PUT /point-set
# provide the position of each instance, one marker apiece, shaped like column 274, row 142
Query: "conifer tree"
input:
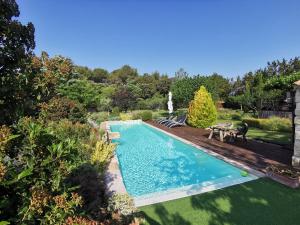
column 202, row 111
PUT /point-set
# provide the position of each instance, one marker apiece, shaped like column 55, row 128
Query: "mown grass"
column 278, row 137
column 259, row 202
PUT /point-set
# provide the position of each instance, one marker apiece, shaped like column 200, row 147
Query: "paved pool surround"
column 115, row 184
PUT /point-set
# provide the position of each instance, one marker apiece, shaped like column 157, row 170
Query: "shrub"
column 125, row 116
column 101, row 154
column 61, row 107
column 115, row 111
column 236, row 116
column 143, row 115
column 91, row 187
column 272, row 123
column 99, row 117
column 34, row 180
column 64, row 129
column 121, row 203
column 228, row 114
column 202, row 111
column 155, row 102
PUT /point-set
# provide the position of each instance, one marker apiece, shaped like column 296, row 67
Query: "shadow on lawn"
column 165, row 217
column 260, row 202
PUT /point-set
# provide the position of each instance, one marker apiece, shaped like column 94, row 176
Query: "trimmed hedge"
column 272, row 123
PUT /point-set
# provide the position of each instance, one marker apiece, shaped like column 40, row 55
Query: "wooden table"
column 222, row 129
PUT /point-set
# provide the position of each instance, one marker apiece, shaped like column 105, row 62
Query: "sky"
column 229, row 37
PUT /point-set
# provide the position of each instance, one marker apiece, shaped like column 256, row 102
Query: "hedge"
column 272, row 123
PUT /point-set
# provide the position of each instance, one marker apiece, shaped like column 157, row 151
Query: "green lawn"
column 259, row 202
column 272, row 136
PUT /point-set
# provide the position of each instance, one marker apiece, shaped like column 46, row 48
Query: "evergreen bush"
column 202, row 111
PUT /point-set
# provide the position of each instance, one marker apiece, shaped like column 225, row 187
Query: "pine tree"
column 202, row 111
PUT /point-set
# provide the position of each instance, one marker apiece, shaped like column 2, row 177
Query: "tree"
column 163, row 85
column 82, row 91
column 16, row 46
column 99, row 75
column 124, row 98
column 123, row 75
column 180, row 74
column 202, row 111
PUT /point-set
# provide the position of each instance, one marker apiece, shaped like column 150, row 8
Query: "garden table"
column 222, row 129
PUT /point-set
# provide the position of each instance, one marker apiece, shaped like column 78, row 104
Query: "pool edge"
column 116, row 185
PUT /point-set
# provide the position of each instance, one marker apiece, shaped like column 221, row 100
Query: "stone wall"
column 296, row 156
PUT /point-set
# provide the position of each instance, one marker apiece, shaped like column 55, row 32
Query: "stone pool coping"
column 115, row 184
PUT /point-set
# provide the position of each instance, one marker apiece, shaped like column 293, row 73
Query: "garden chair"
column 172, row 118
column 240, row 132
column 163, row 120
column 179, row 122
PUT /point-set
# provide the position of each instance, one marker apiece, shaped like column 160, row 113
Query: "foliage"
column 267, row 87
column 99, row 117
column 58, row 108
column 101, row 154
column 122, row 75
column 283, row 82
column 156, row 102
column 272, row 123
column 17, row 44
column 202, row 112
column 124, row 98
column 225, row 114
column 125, row 116
column 183, row 89
column 84, row 92
column 65, row 128
column 36, row 166
column 99, row 75
column 122, row 203
column 143, row 115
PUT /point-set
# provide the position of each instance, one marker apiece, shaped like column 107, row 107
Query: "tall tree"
column 16, row 46
column 181, row 73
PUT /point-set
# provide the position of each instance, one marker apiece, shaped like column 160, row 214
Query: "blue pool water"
column 152, row 161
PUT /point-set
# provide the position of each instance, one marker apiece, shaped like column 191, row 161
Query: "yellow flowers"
column 202, row 111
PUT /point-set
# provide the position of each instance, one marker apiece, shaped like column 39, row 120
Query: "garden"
column 52, row 162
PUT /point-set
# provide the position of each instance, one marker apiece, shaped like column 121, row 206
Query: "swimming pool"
column 152, row 161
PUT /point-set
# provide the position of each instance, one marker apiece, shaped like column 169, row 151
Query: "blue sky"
column 224, row 36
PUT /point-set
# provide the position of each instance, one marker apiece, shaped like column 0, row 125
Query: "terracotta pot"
column 288, row 181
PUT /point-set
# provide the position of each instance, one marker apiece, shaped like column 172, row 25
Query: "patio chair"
column 162, row 120
column 172, row 118
column 179, row 122
column 240, row 132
